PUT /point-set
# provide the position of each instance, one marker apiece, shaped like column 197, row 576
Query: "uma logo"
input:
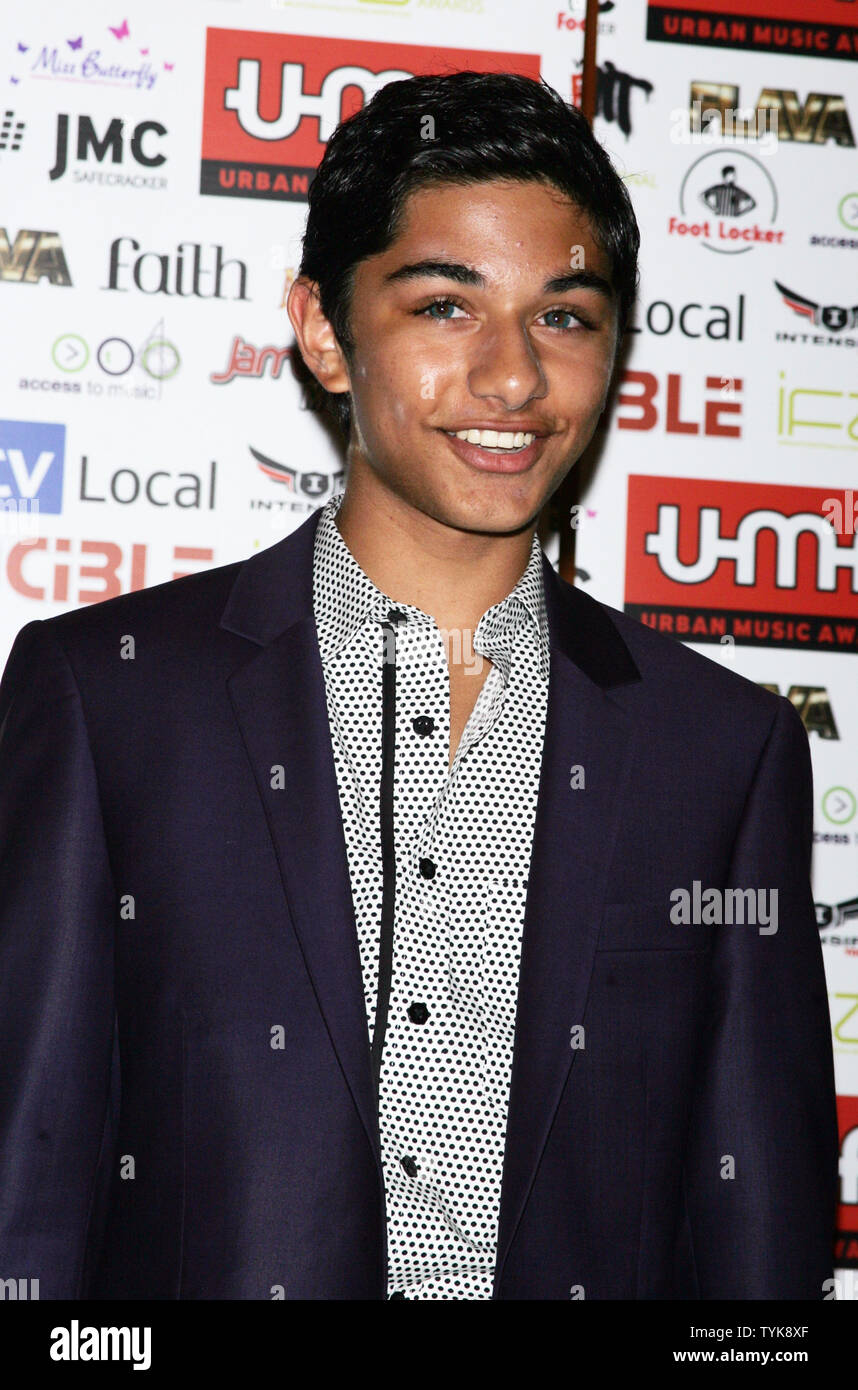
column 295, row 103
column 272, row 101
column 758, row 563
column 741, row 549
column 32, row 456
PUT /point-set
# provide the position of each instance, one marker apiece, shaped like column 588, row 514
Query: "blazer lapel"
column 574, row 835
column 279, row 701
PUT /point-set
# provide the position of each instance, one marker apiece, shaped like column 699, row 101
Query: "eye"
column 440, row 309
column 571, row 318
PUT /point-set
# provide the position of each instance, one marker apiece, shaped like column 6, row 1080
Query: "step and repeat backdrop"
column 154, row 166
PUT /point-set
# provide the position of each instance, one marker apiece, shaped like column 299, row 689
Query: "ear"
column 316, row 338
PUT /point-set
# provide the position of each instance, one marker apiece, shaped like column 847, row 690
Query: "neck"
column 452, row 575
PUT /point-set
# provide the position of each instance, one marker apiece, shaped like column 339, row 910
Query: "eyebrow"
column 466, row 275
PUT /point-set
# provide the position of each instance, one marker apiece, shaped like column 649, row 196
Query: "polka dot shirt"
column 462, row 839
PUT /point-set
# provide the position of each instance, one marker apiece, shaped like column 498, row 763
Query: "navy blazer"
column 167, row 900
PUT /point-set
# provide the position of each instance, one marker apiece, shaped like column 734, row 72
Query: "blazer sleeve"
column 57, row 907
column 761, row 1167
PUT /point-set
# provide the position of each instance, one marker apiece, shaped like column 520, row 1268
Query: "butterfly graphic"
column 23, row 47
column 75, row 43
column 16, row 80
column 144, row 51
column 169, row 67
column 122, row 32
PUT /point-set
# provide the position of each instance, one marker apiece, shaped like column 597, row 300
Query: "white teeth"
column 495, row 439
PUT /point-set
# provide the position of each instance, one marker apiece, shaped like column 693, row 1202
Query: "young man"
column 339, row 953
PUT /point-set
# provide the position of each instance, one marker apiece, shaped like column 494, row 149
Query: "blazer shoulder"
column 271, row 586
column 667, row 664
column 177, row 606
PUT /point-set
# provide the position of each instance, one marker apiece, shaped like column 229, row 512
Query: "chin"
column 495, row 520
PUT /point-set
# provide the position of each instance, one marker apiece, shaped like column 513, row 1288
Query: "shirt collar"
column 345, row 598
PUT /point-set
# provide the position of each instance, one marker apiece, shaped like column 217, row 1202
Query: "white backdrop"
column 149, row 408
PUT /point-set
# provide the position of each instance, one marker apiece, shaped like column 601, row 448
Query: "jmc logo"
column 141, row 142
column 272, row 101
column 753, row 563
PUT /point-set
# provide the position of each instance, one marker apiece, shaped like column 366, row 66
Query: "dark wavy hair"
column 483, row 126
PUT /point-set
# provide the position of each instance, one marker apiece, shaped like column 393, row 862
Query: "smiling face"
column 484, row 339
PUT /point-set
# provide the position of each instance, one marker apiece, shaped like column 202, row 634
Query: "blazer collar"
column 274, row 590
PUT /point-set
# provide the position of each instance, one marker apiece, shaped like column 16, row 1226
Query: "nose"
column 507, row 369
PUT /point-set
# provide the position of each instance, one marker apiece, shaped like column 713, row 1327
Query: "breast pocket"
column 646, row 926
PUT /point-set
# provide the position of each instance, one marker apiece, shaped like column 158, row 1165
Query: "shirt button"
column 409, row 1166
column 427, row 868
column 423, row 725
column 418, row 1013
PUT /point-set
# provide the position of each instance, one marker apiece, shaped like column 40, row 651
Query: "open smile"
column 497, row 451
